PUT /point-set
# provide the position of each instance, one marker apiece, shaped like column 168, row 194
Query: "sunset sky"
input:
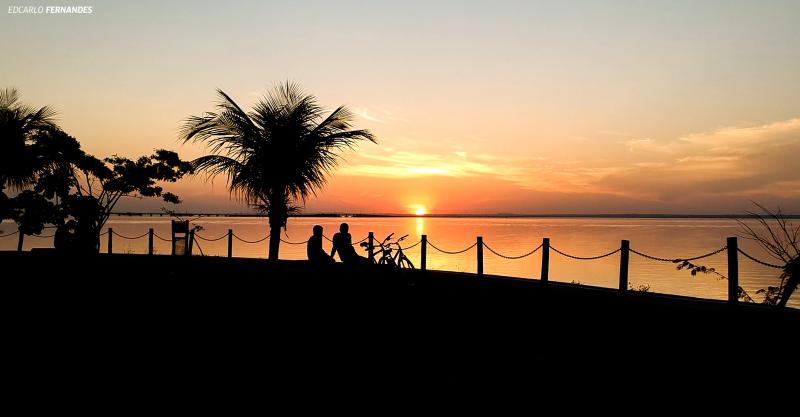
column 478, row 107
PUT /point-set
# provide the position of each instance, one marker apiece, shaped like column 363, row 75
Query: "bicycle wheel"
column 387, row 261
column 406, row 263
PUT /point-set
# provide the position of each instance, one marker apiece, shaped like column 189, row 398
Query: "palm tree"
column 276, row 155
column 19, row 127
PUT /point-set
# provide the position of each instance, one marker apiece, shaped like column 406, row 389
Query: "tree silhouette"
column 58, row 180
column 781, row 240
column 276, row 155
column 20, row 125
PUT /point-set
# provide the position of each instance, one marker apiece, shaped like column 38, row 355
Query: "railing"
column 624, row 250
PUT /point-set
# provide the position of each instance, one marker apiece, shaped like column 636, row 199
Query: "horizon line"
column 469, row 215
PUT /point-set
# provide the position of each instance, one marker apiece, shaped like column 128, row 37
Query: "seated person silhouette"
column 343, row 243
column 314, row 248
column 65, row 237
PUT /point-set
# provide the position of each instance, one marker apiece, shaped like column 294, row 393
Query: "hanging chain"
column 412, row 246
column 453, row 252
column 293, row 243
column 251, row 241
column 757, row 261
column 586, row 258
column 197, row 235
column 512, row 257
column 131, row 238
column 676, row 260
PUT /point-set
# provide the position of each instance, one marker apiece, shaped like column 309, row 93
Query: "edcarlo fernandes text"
column 50, row 10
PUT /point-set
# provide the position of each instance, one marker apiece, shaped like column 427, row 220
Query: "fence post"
column 545, row 258
column 733, row 271
column 150, row 241
column 623, row 265
column 423, row 257
column 480, row 255
column 20, row 240
column 370, row 245
column 230, row 243
column 110, row 235
column 190, row 243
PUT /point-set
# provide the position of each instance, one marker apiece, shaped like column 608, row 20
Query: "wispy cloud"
column 731, row 161
column 413, row 164
column 377, row 114
column 364, row 113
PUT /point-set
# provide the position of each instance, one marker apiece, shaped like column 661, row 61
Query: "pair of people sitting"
column 342, row 244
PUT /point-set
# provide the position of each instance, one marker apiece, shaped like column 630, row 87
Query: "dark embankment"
column 174, row 320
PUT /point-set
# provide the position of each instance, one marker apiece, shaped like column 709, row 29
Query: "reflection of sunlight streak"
column 420, row 226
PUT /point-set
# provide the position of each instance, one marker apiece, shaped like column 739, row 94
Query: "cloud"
column 738, row 162
column 711, row 172
column 701, row 172
column 723, row 141
column 377, row 115
column 365, row 114
column 645, row 144
column 701, row 158
column 413, row 164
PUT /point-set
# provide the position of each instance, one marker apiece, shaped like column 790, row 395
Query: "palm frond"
column 22, row 126
column 277, row 154
column 9, row 97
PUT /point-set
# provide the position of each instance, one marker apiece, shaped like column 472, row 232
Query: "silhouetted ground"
column 126, row 321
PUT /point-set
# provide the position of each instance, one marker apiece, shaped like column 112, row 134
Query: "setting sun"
column 419, row 210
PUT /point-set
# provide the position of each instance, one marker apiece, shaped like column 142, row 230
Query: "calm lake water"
column 664, row 238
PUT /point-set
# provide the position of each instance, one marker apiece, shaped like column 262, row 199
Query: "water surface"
column 664, row 238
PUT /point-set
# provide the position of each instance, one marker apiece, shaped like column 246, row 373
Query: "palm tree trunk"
column 277, row 220
column 274, row 240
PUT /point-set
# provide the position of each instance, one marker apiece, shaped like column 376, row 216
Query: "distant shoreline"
column 466, row 216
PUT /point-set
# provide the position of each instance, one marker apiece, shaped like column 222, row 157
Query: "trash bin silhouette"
column 181, row 238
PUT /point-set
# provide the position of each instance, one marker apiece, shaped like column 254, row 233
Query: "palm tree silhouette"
column 276, row 155
column 20, row 126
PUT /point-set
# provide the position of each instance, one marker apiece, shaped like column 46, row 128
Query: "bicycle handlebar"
column 386, row 242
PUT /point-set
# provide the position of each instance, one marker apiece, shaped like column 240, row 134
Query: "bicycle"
column 398, row 260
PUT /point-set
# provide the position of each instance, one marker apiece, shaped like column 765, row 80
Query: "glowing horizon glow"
column 527, row 107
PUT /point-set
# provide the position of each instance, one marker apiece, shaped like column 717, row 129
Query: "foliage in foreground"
column 57, row 183
column 780, row 239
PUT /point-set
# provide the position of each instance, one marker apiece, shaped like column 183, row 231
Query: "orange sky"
column 496, row 107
